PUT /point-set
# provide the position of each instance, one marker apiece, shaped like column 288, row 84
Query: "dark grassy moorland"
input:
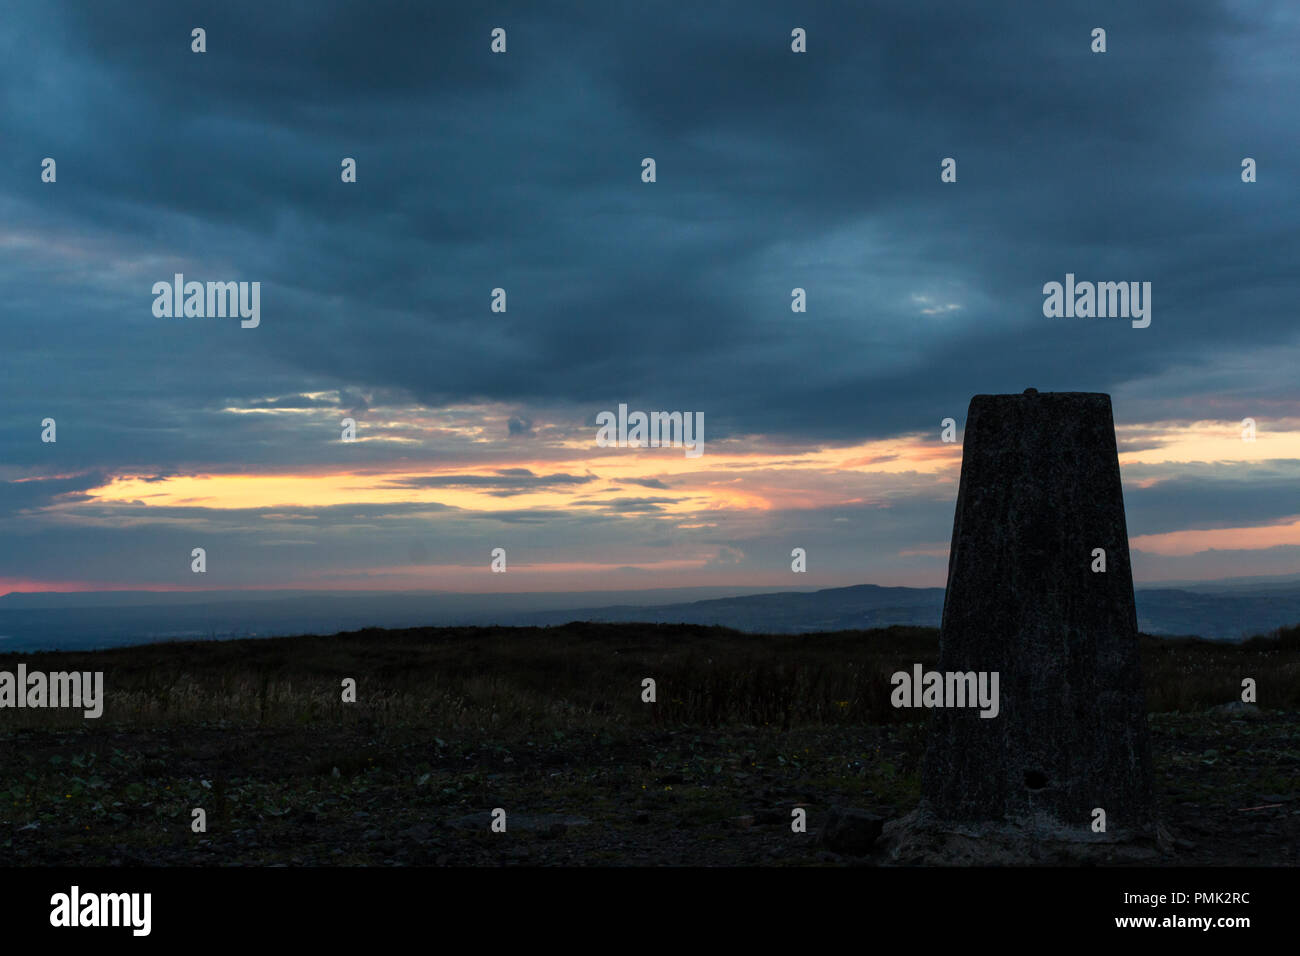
column 549, row 725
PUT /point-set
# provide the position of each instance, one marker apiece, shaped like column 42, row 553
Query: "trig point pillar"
column 1040, row 591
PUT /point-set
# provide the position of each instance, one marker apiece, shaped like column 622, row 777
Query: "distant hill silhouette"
column 784, row 612
column 1223, row 614
column 84, row 621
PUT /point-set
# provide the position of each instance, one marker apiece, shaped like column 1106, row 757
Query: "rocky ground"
column 398, row 795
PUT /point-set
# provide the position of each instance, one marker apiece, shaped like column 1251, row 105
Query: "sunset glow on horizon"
column 737, row 480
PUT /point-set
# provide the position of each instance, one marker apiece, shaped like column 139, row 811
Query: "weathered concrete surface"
column 1040, row 489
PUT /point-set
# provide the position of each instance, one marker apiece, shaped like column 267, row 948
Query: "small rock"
column 1237, row 710
column 419, row 833
column 469, row 821
column 850, row 831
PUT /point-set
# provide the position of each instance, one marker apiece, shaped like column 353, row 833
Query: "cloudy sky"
column 523, row 171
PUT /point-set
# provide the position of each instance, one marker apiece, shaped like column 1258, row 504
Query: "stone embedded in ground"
column 546, row 823
column 1237, row 710
column 850, row 831
column 1040, row 490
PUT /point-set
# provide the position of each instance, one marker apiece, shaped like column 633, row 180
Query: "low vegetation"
column 550, row 724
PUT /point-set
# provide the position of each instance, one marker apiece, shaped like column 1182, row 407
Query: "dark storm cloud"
column 36, row 493
column 292, row 401
column 522, row 171
column 1247, row 495
column 508, row 481
column 249, row 547
column 627, row 505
